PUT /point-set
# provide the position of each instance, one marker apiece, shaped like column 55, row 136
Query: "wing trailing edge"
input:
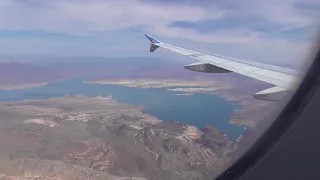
column 273, row 94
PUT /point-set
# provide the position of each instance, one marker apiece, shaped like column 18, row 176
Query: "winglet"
column 152, row 39
column 154, row 42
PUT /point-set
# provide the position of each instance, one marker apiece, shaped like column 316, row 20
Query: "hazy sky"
column 276, row 31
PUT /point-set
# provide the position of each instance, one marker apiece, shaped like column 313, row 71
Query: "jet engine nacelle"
column 205, row 67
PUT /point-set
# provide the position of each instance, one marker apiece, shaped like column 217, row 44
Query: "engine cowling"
column 205, row 67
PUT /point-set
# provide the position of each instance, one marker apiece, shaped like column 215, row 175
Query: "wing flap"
column 272, row 94
column 205, row 67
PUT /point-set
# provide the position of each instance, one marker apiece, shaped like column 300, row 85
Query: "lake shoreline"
column 142, row 97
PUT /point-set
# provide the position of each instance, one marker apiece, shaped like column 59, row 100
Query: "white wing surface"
column 283, row 81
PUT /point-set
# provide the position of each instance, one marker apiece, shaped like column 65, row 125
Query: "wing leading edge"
column 284, row 82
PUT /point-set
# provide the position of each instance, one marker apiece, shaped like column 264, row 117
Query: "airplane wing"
column 283, row 82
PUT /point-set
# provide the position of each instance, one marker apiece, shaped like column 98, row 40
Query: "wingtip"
column 152, row 39
column 154, row 43
column 147, row 35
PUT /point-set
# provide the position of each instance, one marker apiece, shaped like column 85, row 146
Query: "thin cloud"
column 100, row 17
column 87, row 17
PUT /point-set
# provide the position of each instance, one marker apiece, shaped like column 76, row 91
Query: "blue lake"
column 198, row 110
